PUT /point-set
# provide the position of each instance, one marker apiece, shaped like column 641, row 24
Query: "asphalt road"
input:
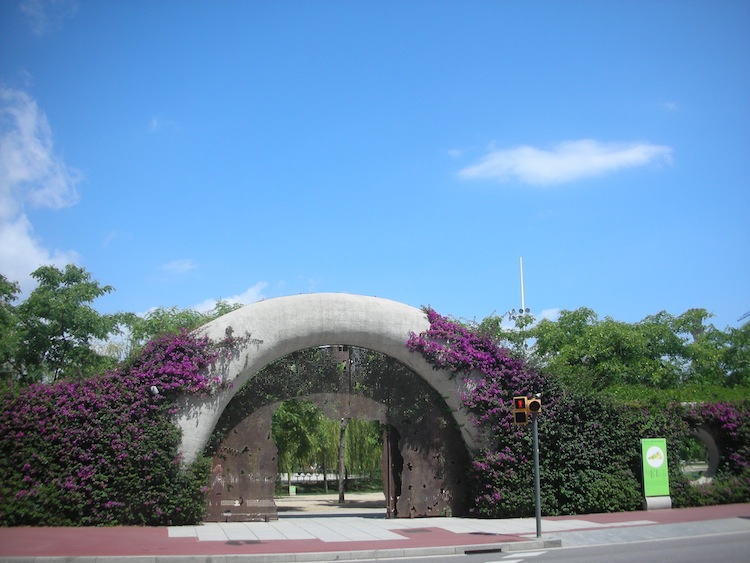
column 725, row 548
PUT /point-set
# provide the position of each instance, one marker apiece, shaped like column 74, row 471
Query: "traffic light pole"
column 537, row 486
column 523, row 410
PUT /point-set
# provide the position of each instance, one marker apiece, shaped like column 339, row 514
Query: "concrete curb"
column 504, row 547
column 546, row 542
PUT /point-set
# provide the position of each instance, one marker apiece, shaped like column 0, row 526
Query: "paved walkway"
column 326, row 535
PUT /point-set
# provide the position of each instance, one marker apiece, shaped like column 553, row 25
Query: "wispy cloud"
column 549, row 314
column 46, row 16
column 179, row 266
column 31, row 174
column 565, row 162
column 250, row 295
column 159, row 124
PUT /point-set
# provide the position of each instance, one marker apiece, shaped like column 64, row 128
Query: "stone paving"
column 362, row 518
column 351, row 528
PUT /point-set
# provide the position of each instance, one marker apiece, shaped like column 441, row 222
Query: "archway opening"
column 258, row 334
column 693, row 458
column 327, row 464
column 423, row 456
column 699, row 456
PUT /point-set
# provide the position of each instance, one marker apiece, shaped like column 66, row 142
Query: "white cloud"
column 46, row 16
column 250, row 295
column 566, row 162
column 179, row 266
column 549, row 314
column 159, row 125
column 21, row 253
column 31, row 173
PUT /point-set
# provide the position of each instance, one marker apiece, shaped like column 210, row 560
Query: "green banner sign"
column 655, row 473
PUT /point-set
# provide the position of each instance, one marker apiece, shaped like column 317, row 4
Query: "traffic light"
column 534, row 406
column 519, row 403
column 520, row 410
column 523, row 408
column 521, row 417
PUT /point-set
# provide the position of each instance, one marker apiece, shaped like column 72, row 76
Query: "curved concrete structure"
column 705, row 435
column 280, row 326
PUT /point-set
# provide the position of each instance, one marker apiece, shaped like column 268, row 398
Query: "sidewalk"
column 326, row 535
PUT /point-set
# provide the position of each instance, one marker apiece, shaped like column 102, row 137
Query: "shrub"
column 589, row 444
column 729, row 424
column 104, row 451
column 592, row 490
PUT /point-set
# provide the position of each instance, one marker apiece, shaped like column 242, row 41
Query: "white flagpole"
column 520, row 265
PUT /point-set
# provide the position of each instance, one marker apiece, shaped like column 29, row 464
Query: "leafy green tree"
column 716, row 357
column 659, row 352
column 515, row 338
column 693, row 344
column 169, row 320
column 8, row 326
column 297, row 430
column 562, row 337
column 57, row 327
column 364, row 447
column 737, row 357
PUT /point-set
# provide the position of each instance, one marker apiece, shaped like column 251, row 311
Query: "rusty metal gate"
column 424, row 458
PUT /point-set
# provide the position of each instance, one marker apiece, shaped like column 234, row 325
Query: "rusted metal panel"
column 432, row 471
column 244, row 472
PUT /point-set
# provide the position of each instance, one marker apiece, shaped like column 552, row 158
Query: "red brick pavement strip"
column 133, row 541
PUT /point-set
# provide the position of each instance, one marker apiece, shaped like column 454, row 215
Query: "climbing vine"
column 589, row 445
column 104, row 451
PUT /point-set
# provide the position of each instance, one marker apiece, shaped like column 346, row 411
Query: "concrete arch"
column 284, row 325
column 705, row 435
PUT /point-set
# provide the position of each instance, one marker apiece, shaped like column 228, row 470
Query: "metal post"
column 537, row 486
column 342, row 446
column 388, row 470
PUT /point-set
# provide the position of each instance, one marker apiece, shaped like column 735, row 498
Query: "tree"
column 57, row 326
column 716, row 357
column 364, row 447
column 737, row 357
column 169, row 320
column 8, row 326
column 341, row 454
column 297, row 430
column 661, row 351
column 584, row 350
column 515, row 339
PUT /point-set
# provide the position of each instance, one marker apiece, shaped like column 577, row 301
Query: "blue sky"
column 188, row 151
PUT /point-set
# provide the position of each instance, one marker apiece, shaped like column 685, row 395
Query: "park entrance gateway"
column 423, row 460
column 428, row 435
